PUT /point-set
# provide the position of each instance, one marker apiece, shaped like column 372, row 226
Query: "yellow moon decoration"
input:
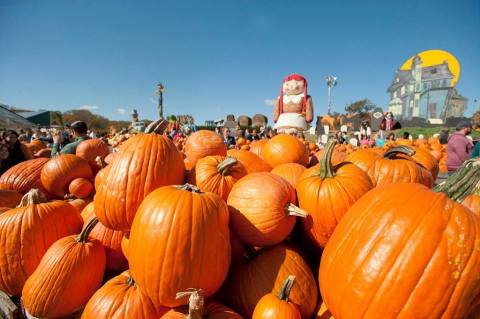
column 434, row 57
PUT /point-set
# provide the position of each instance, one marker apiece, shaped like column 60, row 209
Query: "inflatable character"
column 294, row 108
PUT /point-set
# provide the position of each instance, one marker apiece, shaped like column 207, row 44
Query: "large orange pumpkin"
column 252, row 162
column 403, row 251
column 90, row 149
column 185, row 235
column 327, row 192
column 144, row 163
column 365, row 159
column 284, row 148
column 23, row 176
column 261, row 209
column 218, row 174
column 472, row 201
column 80, row 187
column 120, row 297
column 9, row 198
column 27, row 232
column 68, row 275
column 203, row 143
column 61, row 170
column 291, row 172
column 257, row 146
column 265, row 273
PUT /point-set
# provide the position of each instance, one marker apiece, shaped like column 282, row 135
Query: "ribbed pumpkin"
column 257, row 146
column 144, row 163
column 197, row 309
column 80, row 187
column 252, row 162
column 109, row 158
column 472, row 201
column 90, row 149
column 36, row 145
column 261, row 208
column 327, row 192
column 68, row 275
column 291, row 172
column 9, row 198
column 265, row 273
column 217, row 174
column 120, row 297
column 365, row 159
column 27, row 232
column 61, row 170
column 424, row 158
column 23, row 176
column 278, row 306
column 185, row 235
column 203, row 143
column 284, row 148
column 338, row 156
column 402, row 251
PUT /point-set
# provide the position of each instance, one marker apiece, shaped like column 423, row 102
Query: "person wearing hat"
column 459, row 146
column 79, row 131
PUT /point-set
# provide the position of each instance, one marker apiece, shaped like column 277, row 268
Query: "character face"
column 3, row 152
column 293, row 87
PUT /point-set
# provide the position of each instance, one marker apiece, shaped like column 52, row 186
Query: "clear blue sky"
column 220, row 57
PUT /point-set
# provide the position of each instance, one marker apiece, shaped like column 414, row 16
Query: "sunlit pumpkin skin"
column 23, row 176
column 144, row 163
column 59, row 171
column 120, row 298
column 9, row 198
column 109, row 158
column 200, row 309
column 265, row 273
column 414, row 254
column 338, row 156
column 68, row 275
column 218, row 174
column 124, row 244
column 90, row 149
column 257, row 146
column 80, row 187
column 291, row 172
column 185, row 235
column 284, row 148
column 204, row 143
column 472, row 201
column 323, row 312
column 327, row 192
column 252, row 162
column 258, row 206
column 365, row 159
column 427, row 160
column 88, row 213
column 273, row 306
column 27, row 232
column 36, row 146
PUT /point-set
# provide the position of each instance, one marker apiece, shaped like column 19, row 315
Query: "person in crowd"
column 79, row 132
column 17, row 152
column 406, row 135
column 339, row 137
column 254, row 136
column 365, row 131
column 4, row 154
column 387, row 122
column 476, row 149
column 459, row 146
column 391, row 137
column 227, row 138
column 247, row 134
column 444, row 136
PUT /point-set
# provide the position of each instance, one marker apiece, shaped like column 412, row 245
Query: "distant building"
column 425, row 92
column 11, row 120
column 43, row 118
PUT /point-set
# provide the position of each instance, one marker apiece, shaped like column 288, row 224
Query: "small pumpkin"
column 68, row 275
column 79, row 203
column 284, row 148
column 23, row 176
column 9, row 198
column 203, row 143
column 80, row 187
column 252, row 162
column 90, row 149
column 278, row 306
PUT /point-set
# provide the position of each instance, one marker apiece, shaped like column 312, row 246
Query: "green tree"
column 361, row 107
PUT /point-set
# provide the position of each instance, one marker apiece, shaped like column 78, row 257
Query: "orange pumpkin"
column 9, row 198
column 27, row 232
column 184, row 232
column 68, row 275
column 90, row 149
column 23, row 176
column 365, row 159
column 124, row 244
column 79, row 203
column 80, row 187
column 144, row 163
column 120, row 297
column 291, row 172
column 338, row 156
column 414, row 253
column 203, row 143
column 427, row 160
column 327, row 192
column 257, row 146
column 61, row 170
column 46, row 152
column 251, row 162
column 273, row 306
column 284, row 148
column 261, row 209
column 36, row 145
column 323, row 312
column 218, row 174
column 472, row 201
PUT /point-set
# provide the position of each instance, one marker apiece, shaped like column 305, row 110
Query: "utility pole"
column 160, row 90
column 331, row 82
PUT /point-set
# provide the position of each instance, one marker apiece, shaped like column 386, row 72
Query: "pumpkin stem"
column 293, row 210
column 130, row 280
column 287, row 285
column 190, row 188
column 196, row 302
column 403, row 149
column 34, row 196
column 465, row 181
column 83, row 236
column 326, row 168
column 224, row 167
column 157, row 127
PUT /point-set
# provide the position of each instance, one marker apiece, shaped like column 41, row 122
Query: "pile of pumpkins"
column 278, row 230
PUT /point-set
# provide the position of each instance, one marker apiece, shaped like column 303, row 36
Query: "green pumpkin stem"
column 196, row 303
column 190, row 188
column 224, row 167
column 293, row 210
column 34, row 196
column 287, row 285
column 83, row 236
column 326, row 168
column 403, row 149
column 465, row 181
